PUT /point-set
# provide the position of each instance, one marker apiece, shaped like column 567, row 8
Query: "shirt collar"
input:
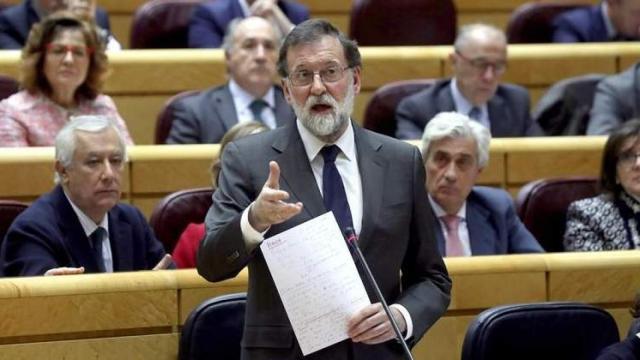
column 463, row 105
column 439, row 211
column 87, row 224
column 242, row 99
column 313, row 145
column 611, row 31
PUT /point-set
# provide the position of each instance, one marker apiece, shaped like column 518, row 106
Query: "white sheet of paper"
column 317, row 281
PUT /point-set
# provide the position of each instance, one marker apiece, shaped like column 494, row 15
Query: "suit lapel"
column 481, row 234
column 119, row 238
column 283, row 113
column 225, row 107
column 75, row 240
column 498, row 117
column 296, row 174
column 445, row 99
column 372, row 175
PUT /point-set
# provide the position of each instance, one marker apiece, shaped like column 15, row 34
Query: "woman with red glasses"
column 62, row 72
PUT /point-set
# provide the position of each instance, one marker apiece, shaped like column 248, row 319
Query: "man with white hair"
column 474, row 220
column 80, row 226
column 479, row 61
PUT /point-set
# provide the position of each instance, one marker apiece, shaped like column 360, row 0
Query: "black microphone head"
column 350, row 235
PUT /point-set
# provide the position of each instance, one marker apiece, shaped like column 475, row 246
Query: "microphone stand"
column 352, row 239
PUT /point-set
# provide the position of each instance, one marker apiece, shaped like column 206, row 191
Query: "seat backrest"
column 165, row 117
column 552, row 330
column 9, row 210
column 403, row 22
column 564, row 108
column 8, row 86
column 175, row 211
column 532, row 22
column 213, row 330
column 542, row 206
column 162, row 24
column 380, row 113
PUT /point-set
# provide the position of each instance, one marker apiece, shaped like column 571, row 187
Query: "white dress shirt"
column 89, row 226
column 463, row 106
column 242, row 99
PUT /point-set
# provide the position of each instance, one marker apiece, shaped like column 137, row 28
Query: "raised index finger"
column 273, row 181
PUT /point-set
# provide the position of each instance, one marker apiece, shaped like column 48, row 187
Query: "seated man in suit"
column 210, row 20
column 80, row 226
column 479, row 60
column 611, row 20
column 250, row 50
column 617, row 99
column 474, row 220
column 16, row 21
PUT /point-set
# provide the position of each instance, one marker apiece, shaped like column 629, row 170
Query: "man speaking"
column 274, row 181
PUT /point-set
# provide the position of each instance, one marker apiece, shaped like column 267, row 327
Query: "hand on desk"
column 164, row 262
column 65, row 271
column 270, row 207
column 372, row 326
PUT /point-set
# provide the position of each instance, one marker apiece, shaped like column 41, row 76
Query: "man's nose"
column 317, row 85
column 489, row 73
column 451, row 173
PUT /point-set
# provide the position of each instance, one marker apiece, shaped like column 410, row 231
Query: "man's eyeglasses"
column 481, row 65
column 61, row 50
column 628, row 159
column 329, row 74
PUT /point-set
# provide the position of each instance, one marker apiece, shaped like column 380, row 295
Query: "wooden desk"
column 138, row 315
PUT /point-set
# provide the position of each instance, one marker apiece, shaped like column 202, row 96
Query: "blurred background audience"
column 63, row 69
column 611, row 221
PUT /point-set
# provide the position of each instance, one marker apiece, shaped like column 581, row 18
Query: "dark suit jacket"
column 494, row 228
column 580, row 25
column 16, row 21
column 210, row 20
column 207, row 116
column 508, row 111
column 617, row 99
column 48, row 234
column 396, row 236
column 627, row 349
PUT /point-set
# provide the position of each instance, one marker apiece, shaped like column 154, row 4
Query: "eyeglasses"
column 628, row 159
column 61, row 50
column 481, row 65
column 330, row 74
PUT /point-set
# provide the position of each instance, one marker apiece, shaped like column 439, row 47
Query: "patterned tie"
column 475, row 113
column 454, row 245
column 335, row 198
column 96, row 243
column 256, row 108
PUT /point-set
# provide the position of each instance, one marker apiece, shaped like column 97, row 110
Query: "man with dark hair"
column 250, row 50
column 276, row 180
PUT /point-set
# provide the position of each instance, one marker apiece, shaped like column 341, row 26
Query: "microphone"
column 352, row 242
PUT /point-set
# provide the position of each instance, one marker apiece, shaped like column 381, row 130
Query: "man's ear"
column 286, row 90
column 62, row 172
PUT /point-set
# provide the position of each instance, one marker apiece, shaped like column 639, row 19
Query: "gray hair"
column 65, row 143
column 232, row 28
column 467, row 33
column 455, row 125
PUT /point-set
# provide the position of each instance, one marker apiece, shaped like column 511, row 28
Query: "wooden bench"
column 138, row 315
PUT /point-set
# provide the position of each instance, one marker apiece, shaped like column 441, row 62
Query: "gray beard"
column 325, row 125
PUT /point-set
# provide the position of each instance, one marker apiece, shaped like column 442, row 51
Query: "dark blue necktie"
column 335, row 198
column 96, row 244
column 256, row 108
column 475, row 113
